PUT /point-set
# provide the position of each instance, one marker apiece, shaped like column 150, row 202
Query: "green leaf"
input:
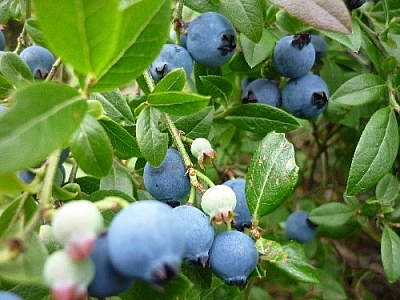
column 153, row 144
column 201, row 5
column 118, row 179
column 387, row 189
column 124, row 144
column 261, row 118
column 329, row 15
column 32, row 28
column 270, row 250
column 217, row 87
column 332, row 214
column 5, row 87
column 116, row 107
column 178, row 103
column 43, row 117
column 255, row 53
column 390, row 251
column 359, row 90
column 88, row 28
column 92, row 148
column 61, row 193
column 8, row 215
column 351, row 41
column 246, row 15
column 289, row 23
column 27, row 267
column 102, row 194
column 144, row 30
column 272, row 175
column 296, row 265
column 15, row 70
column 198, row 125
column 173, row 81
column 10, row 184
column 375, row 152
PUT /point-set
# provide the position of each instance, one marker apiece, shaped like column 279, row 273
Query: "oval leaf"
column 360, row 90
column 198, row 125
column 217, row 87
column 272, row 175
column 375, row 152
column 15, row 70
column 255, row 53
column 329, row 15
column 92, row 148
column 261, row 118
column 174, row 81
column 332, row 214
column 43, row 118
column 390, row 251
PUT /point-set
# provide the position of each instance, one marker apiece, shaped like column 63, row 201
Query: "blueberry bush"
column 268, row 109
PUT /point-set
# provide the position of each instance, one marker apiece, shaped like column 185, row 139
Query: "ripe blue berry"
column 39, row 60
column 6, row 295
column 305, row 97
column 64, row 155
column 294, row 55
column 169, row 182
column 199, row 233
column 2, row 41
column 170, row 58
column 320, row 46
column 299, row 227
column 26, row 176
column 243, row 217
column 211, row 39
column 146, row 242
column 107, row 281
column 60, row 175
column 233, row 257
column 263, row 91
column 353, row 4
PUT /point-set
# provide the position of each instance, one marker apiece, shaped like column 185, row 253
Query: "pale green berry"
column 219, row 202
column 203, row 151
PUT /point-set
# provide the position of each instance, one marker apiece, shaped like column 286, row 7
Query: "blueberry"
column 39, row 60
column 211, row 39
column 169, row 182
column 146, row 242
column 6, row 295
column 263, row 91
column 60, row 175
column 107, row 281
column 320, row 46
column 170, row 58
column 199, row 233
column 243, row 217
column 233, row 257
column 26, row 176
column 2, row 41
column 305, row 97
column 64, row 155
column 299, row 227
column 353, row 4
column 294, row 55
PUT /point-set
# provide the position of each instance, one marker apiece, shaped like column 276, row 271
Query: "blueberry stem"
column 53, row 70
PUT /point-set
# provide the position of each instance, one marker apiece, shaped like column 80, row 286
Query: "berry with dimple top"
column 171, row 57
column 146, row 242
column 2, row 41
column 76, row 226
column 294, row 55
column 202, row 149
column 107, row 281
column 168, row 182
column 242, row 216
column 305, row 97
column 199, row 233
column 6, row 295
column 263, row 91
column 299, row 227
column 233, row 257
column 67, row 278
column 39, row 60
column 211, row 39
column 219, row 203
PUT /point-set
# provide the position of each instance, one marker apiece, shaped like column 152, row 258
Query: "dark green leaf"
column 178, row 103
column 116, row 107
column 174, row 81
column 360, row 90
column 152, row 143
column 255, row 53
column 332, row 214
column 32, row 28
column 88, row 184
column 118, row 179
column 390, row 251
column 261, row 118
column 201, row 5
column 272, row 175
column 387, row 189
column 144, row 29
column 5, row 87
column 329, row 15
column 15, row 70
column 375, row 153
column 92, row 148
column 351, row 41
column 289, row 23
column 60, row 193
column 198, row 125
column 43, row 117
column 124, row 144
column 217, row 87
column 8, row 216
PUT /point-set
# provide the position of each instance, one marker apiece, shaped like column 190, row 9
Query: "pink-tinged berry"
column 202, row 150
column 68, row 279
column 219, row 203
column 76, row 226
